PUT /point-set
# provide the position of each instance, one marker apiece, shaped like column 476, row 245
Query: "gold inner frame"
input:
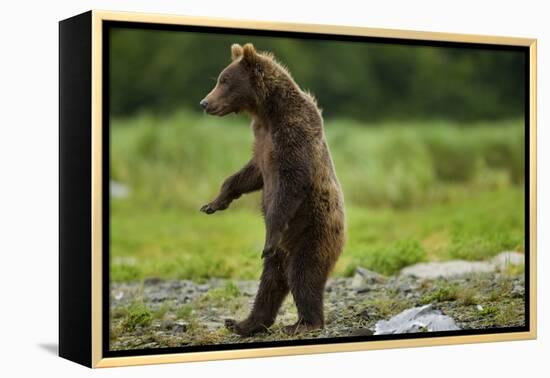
column 97, row 44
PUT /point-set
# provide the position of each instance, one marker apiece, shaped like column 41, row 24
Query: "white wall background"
column 29, row 174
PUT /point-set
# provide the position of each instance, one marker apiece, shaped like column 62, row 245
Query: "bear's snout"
column 203, row 104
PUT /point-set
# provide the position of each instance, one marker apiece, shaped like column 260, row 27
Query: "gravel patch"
column 158, row 313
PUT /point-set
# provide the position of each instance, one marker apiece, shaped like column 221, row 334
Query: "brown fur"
column 302, row 202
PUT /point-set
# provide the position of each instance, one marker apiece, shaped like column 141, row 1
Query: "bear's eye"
column 223, row 79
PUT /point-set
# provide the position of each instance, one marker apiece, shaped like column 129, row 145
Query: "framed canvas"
column 234, row 189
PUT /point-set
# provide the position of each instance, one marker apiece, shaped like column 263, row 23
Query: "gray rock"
column 167, row 324
column 406, row 286
column 364, row 278
column 447, row 269
column 203, row 287
column 159, row 296
column 518, row 290
column 416, row 319
column 180, row 326
column 176, row 285
column 363, row 289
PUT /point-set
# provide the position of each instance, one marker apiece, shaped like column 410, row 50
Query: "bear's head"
column 238, row 86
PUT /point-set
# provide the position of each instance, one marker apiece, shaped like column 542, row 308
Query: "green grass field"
column 414, row 192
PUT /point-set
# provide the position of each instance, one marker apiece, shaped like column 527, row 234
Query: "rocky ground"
column 158, row 313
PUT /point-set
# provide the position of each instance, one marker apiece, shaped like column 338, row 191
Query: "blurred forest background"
column 428, row 144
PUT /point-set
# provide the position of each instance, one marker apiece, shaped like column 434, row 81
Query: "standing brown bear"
column 302, row 201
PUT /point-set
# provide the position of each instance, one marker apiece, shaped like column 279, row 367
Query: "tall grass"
column 168, row 161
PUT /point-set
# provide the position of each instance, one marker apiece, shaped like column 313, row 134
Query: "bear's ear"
column 249, row 53
column 236, row 51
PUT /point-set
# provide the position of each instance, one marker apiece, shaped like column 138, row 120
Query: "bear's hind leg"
column 307, row 277
column 272, row 291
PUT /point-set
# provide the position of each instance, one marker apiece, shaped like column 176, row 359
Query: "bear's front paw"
column 216, row 205
column 208, row 209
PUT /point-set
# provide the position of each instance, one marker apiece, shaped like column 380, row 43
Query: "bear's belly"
column 267, row 195
column 317, row 227
column 263, row 156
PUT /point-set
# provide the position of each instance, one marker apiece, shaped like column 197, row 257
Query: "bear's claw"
column 208, row 209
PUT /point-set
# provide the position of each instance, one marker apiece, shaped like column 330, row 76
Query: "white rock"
column 416, row 319
column 504, row 259
column 447, row 269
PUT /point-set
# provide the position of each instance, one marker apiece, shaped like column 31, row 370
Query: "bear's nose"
column 203, row 103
